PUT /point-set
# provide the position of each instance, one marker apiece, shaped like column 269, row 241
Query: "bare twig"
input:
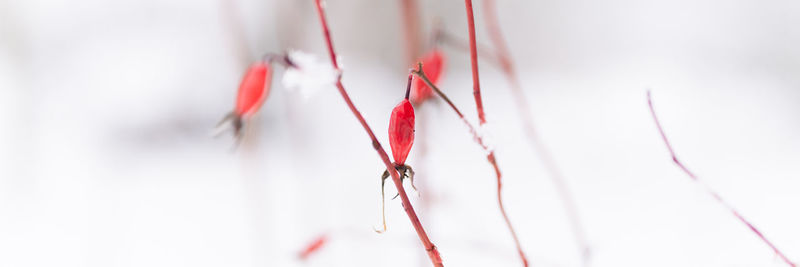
column 473, row 55
column 421, row 74
column 709, row 190
column 476, row 91
column 523, row 109
column 433, row 253
column 489, row 151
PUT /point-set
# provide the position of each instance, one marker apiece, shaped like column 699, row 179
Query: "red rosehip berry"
column 401, row 131
column 434, row 64
column 401, row 138
column 253, row 90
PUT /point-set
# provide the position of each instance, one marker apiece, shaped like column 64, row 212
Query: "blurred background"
column 106, row 157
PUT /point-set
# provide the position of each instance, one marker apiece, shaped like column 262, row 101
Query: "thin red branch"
column 476, row 91
column 473, row 55
column 421, row 74
column 493, row 160
column 433, row 253
column 709, row 190
column 490, row 157
column 523, row 108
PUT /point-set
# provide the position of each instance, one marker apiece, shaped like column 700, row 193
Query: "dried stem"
column 433, row 253
column 523, row 109
column 490, row 157
column 408, row 86
column 709, row 190
column 473, row 55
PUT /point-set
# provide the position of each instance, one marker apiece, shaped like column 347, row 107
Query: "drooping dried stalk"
column 433, row 253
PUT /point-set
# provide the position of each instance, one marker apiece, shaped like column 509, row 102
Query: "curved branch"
column 709, row 190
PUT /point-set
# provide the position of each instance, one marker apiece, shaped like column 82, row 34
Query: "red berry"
column 313, row 246
column 401, row 131
column 432, row 63
column 253, row 89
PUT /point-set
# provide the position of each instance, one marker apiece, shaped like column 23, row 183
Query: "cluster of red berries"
column 255, row 86
column 401, row 122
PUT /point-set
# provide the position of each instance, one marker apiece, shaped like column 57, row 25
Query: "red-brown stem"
column 493, row 160
column 421, row 74
column 410, row 28
column 490, row 157
column 708, row 189
column 523, row 109
column 433, row 253
column 476, row 91
column 473, row 55
column 421, row 144
column 408, row 86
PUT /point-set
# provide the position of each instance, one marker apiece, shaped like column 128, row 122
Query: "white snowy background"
column 106, row 159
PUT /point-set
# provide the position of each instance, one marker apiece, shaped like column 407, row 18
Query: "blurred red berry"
column 433, row 63
column 253, row 89
column 401, row 131
column 314, row 246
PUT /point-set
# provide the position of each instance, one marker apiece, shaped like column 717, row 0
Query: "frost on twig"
column 487, row 138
